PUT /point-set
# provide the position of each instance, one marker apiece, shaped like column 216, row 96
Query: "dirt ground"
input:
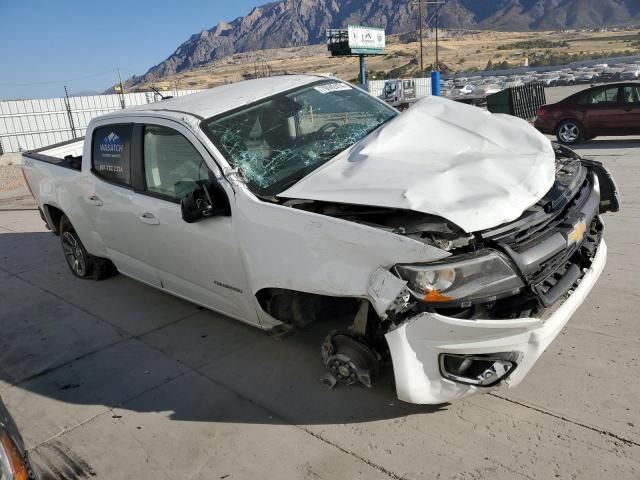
column 11, row 181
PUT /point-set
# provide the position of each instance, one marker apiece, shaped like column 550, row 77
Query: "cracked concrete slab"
column 85, row 388
column 184, row 429
column 410, row 440
column 203, row 338
column 4, row 273
column 40, row 332
column 583, row 361
column 24, row 251
column 125, row 303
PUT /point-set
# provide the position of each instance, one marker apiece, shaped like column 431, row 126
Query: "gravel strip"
column 11, row 177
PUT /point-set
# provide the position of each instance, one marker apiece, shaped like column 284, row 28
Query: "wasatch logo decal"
column 111, row 144
column 112, row 137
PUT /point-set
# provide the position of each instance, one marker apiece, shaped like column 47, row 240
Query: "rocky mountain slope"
column 287, row 23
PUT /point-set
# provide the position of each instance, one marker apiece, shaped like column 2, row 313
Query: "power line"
column 53, row 82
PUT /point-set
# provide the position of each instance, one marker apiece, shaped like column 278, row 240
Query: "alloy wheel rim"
column 73, row 253
column 569, row 132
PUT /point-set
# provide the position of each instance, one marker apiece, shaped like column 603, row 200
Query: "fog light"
column 481, row 370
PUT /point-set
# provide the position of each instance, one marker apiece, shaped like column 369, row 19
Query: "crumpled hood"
column 476, row 169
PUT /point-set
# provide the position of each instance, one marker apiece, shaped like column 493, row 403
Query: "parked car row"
column 484, row 85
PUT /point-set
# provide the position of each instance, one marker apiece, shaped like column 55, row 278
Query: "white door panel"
column 198, row 261
column 123, row 234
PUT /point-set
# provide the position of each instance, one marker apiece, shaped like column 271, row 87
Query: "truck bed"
column 66, row 154
column 54, row 187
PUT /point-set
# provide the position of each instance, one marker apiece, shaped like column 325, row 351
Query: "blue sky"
column 47, row 44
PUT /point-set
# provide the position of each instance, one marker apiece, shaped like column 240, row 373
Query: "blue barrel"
column 435, row 83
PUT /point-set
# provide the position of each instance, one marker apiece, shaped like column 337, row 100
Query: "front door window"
column 172, row 165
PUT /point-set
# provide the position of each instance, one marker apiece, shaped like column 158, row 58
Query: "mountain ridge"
column 290, row 23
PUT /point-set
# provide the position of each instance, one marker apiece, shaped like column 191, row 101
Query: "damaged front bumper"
column 417, row 344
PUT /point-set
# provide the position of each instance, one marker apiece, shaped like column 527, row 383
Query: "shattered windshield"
column 278, row 141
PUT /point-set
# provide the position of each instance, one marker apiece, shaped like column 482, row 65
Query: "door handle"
column 149, row 219
column 96, row 201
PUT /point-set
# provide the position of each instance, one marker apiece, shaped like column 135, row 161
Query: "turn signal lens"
column 435, row 296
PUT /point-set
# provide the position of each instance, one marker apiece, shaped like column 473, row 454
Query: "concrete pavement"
column 115, row 380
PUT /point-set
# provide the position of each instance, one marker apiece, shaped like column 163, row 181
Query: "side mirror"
column 208, row 200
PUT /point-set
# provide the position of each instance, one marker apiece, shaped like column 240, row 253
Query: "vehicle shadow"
column 604, row 143
column 95, row 343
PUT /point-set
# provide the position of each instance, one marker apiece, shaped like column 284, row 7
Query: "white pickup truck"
column 453, row 243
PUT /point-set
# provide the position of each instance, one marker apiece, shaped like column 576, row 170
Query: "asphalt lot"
column 115, row 380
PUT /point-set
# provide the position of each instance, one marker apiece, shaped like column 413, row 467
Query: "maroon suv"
column 612, row 109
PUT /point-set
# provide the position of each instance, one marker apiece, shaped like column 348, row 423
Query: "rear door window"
column 601, row 96
column 111, row 158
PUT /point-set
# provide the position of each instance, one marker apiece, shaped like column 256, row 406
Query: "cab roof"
column 227, row 97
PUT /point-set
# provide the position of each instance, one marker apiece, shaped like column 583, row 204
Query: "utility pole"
column 420, row 4
column 121, row 90
column 69, row 114
column 437, row 59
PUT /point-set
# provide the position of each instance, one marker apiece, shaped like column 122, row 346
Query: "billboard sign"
column 366, row 40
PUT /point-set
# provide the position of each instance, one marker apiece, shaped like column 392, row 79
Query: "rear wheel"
column 569, row 132
column 82, row 264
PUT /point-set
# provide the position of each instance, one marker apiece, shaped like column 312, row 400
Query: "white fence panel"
column 32, row 124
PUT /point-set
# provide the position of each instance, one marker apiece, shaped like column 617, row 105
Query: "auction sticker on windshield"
column 332, row 87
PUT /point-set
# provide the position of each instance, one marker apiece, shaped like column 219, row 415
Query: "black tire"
column 569, row 132
column 81, row 263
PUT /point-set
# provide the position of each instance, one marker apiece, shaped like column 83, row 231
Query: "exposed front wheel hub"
column 349, row 360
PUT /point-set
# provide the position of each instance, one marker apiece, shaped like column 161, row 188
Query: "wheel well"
column 302, row 308
column 55, row 214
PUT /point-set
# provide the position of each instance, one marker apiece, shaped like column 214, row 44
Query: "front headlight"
column 463, row 280
column 12, row 465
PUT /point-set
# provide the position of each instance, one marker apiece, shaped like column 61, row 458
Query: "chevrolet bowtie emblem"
column 577, row 234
